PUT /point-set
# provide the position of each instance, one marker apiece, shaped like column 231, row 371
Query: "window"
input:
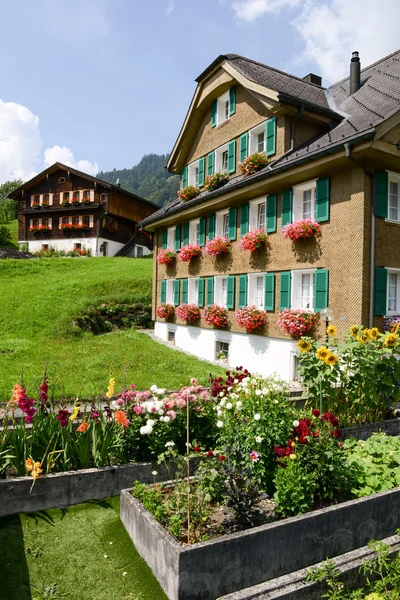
column 77, row 246
column 256, row 290
column 35, row 222
column 86, row 220
column 221, row 291
column 170, row 291
column 65, row 220
column 62, row 180
column 139, row 251
column 86, row 194
column 193, row 174
column 194, row 232
column 46, row 199
column 221, row 159
column 193, row 289
column 257, row 139
column 36, row 199
column 304, row 201
column 46, row 222
column 394, row 190
column 393, row 292
column 257, row 214
column 303, row 289
column 171, row 336
column 75, row 221
column 222, row 223
column 44, row 247
column 171, row 238
column 103, row 198
column 65, row 196
column 223, row 108
column 222, row 348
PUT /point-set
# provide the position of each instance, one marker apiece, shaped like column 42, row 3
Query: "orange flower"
column 16, row 395
column 83, row 426
column 121, row 419
column 34, row 468
column 29, row 464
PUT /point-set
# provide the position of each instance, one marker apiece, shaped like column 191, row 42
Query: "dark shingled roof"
column 377, row 99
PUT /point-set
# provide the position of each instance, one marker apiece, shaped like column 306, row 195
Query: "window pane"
column 225, row 226
column 196, row 177
column 224, row 292
column 225, row 161
column 261, row 216
column 393, row 201
column 392, row 292
column 198, row 233
column 45, row 222
column 86, row 220
column 227, row 109
column 307, row 204
column 260, row 142
column 260, row 292
column 306, row 291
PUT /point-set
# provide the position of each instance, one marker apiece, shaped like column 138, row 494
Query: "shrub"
column 213, row 182
column 251, row 318
column 301, row 230
column 188, row 193
column 188, row 252
column 252, row 164
column 188, row 312
column 5, row 235
column 216, row 315
column 297, row 322
column 254, row 240
column 219, row 245
column 294, row 488
column 165, row 311
column 166, row 256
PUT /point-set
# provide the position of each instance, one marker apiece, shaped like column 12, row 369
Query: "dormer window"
column 223, row 107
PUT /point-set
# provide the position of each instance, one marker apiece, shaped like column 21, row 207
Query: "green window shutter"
column 200, row 292
column 270, row 136
column 210, row 291
column 186, row 233
column 285, row 289
column 184, row 291
column 271, row 213
column 232, row 218
column 269, row 291
column 322, row 200
column 211, row 227
column 164, row 237
column 210, row 163
column 230, row 303
column 287, row 202
column 321, row 286
column 202, row 231
column 380, row 295
column 214, row 113
column 381, row 182
column 184, row 177
column 163, row 291
column 232, row 156
column 244, row 218
column 178, row 230
column 201, row 171
column 177, row 286
column 244, row 143
column 232, row 101
column 242, row 291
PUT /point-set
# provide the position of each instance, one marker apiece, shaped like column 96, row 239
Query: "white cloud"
column 21, row 156
column 65, row 155
column 170, row 7
column 250, row 10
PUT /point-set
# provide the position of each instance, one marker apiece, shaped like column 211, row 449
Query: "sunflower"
column 364, row 337
column 331, row 359
column 354, row 329
column 391, row 340
column 331, row 330
column 322, row 353
column 303, row 345
column 374, row 332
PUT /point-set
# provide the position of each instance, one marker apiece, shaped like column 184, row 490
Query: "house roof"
column 377, row 99
column 57, row 166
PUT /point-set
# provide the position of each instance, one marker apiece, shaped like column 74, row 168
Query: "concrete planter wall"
column 208, row 570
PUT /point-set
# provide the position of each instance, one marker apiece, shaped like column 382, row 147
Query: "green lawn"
column 13, row 227
column 39, row 299
column 84, row 550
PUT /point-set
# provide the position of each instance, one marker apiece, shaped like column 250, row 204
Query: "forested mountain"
column 149, row 179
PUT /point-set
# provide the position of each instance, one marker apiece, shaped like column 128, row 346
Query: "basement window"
column 171, row 336
column 222, row 350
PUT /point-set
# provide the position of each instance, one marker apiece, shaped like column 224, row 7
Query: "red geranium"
column 165, row 311
column 301, row 230
column 188, row 312
column 219, row 245
column 250, row 317
column 254, row 240
column 297, row 322
column 188, row 252
column 166, row 256
column 216, row 315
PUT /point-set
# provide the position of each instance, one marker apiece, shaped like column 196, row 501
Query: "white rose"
column 146, row 430
column 161, row 412
column 223, row 402
column 221, row 394
column 296, row 423
column 150, row 423
column 257, row 417
column 236, row 381
column 229, row 406
column 169, row 444
column 219, row 413
column 229, row 388
column 161, row 391
column 258, row 392
column 259, row 439
column 167, row 419
column 239, row 405
column 220, row 424
column 153, row 388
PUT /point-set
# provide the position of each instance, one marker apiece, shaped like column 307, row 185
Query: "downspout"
column 292, row 136
column 371, row 173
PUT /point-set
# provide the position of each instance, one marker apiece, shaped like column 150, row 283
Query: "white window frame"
column 252, row 290
column 193, row 290
column 169, row 291
column 298, row 200
column 171, row 238
column 222, row 346
column 219, row 223
column 219, row 153
column 49, row 219
column 394, row 178
column 254, row 213
column 193, row 173
column 222, row 105
column 221, row 290
column 390, row 313
column 296, row 289
column 194, row 231
column 253, row 138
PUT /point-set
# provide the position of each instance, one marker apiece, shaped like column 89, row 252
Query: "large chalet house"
column 333, row 156
column 65, row 209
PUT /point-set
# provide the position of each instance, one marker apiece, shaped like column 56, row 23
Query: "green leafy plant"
column 295, row 488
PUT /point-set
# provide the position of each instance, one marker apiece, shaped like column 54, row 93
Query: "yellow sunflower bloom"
column 391, row 340
column 331, row 330
column 322, row 353
column 364, row 337
column 374, row 332
column 354, row 329
column 331, row 359
column 303, row 345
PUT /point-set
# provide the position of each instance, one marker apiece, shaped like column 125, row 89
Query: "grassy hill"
column 39, row 299
column 13, row 227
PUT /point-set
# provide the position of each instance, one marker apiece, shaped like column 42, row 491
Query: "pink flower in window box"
column 297, row 322
column 219, row 245
column 216, row 315
column 254, row 240
column 251, row 318
column 166, row 256
column 165, row 311
column 301, row 230
column 188, row 312
column 188, row 252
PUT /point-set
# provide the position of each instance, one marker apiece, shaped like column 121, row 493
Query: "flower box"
column 75, row 201
column 65, row 202
column 165, row 311
column 85, row 201
column 188, row 312
column 213, row 182
column 254, row 240
column 208, row 570
column 45, row 205
column 253, row 163
column 297, row 322
column 216, row 315
column 301, row 230
column 218, row 246
column 188, row 193
column 36, row 205
column 190, row 251
column 251, row 318
column 166, row 256
column 73, row 227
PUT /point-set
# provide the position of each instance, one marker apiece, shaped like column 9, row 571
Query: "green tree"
column 8, row 207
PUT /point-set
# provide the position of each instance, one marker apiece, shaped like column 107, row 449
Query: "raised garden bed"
column 207, row 570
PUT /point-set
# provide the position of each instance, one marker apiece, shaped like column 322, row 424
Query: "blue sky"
column 100, row 83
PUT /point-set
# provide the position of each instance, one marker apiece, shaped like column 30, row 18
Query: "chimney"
column 311, row 78
column 355, row 75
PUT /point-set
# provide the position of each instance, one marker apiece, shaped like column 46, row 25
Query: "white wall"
column 68, row 243
column 112, row 247
column 258, row 354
